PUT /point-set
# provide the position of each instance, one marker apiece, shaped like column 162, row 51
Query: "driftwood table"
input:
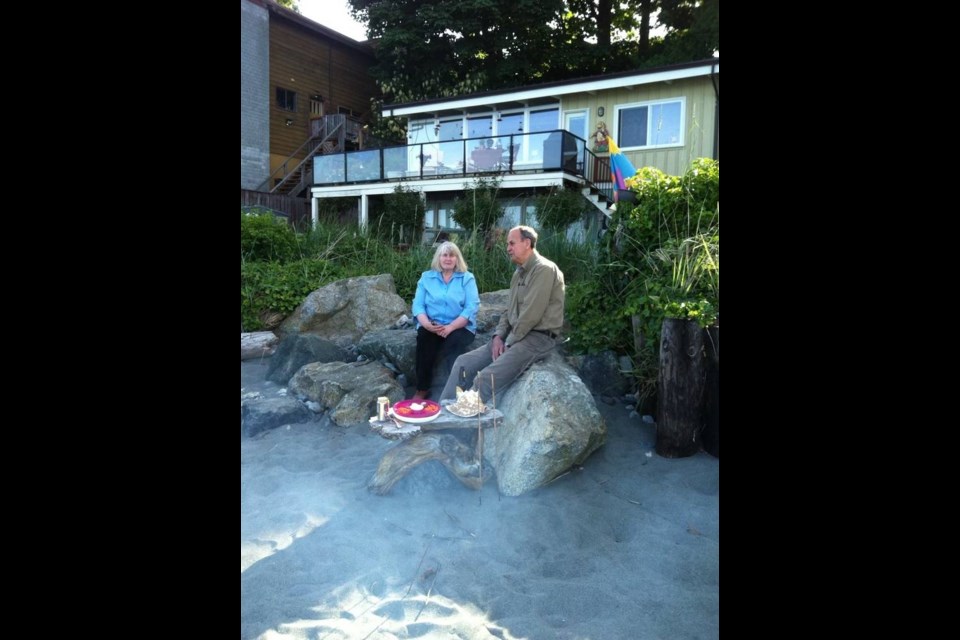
column 432, row 441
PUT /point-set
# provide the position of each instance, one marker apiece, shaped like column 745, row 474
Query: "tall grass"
column 360, row 252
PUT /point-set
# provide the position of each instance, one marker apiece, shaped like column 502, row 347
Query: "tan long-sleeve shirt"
column 537, row 294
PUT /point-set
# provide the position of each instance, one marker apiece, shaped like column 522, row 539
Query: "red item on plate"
column 424, row 409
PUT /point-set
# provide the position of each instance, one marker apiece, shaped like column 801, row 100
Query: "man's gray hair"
column 529, row 233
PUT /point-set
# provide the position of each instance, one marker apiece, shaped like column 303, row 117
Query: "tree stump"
column 457, row 457
column 421, row 443
column 681, row 388
column 711, row 432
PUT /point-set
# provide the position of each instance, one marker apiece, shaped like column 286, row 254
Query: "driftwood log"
column 394, row 430
column 425, row 441
column 457, row 457
column 681, row 388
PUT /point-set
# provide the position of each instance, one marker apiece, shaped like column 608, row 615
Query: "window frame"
column 282, row 105
column 648, row 104
column 575, row 113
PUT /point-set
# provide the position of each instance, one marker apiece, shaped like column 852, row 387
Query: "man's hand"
column 497, row 347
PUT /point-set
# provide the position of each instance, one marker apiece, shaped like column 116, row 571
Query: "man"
column 527, row 332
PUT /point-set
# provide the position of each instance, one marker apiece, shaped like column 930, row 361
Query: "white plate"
column 456, row 411
column 413, row 420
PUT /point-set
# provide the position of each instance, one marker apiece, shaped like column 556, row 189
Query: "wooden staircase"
column 331, row 134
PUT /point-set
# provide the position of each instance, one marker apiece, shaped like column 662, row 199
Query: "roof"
column 561, row 87
column 316, row 27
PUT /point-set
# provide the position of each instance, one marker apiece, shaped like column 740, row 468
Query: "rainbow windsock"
column 620, row 166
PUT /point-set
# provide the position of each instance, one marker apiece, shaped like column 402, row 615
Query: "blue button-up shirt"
column 444, row 301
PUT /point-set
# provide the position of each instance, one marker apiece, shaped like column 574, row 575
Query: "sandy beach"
column 625, row 547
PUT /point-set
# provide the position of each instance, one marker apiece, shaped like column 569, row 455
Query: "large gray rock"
column 348, row 390
column 601, row 373
column 299, row 349
column 345, row 310
column 551, row 424
column 399, row 348
column 396, row 346
column 492, row 306
column 269, row 413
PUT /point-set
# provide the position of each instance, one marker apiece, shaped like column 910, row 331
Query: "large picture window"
column 650, row 124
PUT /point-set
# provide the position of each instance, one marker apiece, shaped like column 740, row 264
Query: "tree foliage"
column 293, row 5
column 440, row 48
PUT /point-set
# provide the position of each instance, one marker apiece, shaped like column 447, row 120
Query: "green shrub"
column 399, row 219
column 559, row 208
column 272, row 287
column 478, row 210
column 662, row 260
column 595, row 318
column 267, row 238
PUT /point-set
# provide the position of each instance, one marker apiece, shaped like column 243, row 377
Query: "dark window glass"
column 286, row 99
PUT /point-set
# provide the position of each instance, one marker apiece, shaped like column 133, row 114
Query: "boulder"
column 343, row 311
column 299, row 349
column 348, row 390
column 601, row 373
column 262, row 414
column 550, row 424
column 399, row 347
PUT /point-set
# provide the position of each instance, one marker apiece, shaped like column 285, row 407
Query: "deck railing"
column 514, row 153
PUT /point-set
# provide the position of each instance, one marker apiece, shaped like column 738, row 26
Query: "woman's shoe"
column 421, row 395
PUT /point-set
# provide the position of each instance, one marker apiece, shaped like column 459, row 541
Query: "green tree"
column 500, row 44
column 293, row 5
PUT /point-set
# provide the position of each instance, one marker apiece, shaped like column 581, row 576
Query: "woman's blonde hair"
column 451, row 248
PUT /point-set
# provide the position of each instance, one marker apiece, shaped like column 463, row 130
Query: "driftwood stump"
column 424, row 442
column 681, row 388
column 457, row 457
column 394, row 430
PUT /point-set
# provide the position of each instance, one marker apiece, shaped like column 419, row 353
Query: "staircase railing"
column 597, row 172
column 333, row 126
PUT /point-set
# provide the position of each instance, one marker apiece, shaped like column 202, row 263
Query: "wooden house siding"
column 700, row 119
column 308, row 63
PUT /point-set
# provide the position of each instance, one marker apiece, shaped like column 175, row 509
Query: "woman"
column 445, row 307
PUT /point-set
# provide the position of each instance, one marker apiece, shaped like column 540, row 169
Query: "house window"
column 576, row 122
column 480, row 127
column 650, row 124
column 286, row 99
column 510, row 123
column 544, row 120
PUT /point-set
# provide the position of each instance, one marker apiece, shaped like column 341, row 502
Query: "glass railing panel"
column 328, row 169
column 363, row 165
column 396, row 162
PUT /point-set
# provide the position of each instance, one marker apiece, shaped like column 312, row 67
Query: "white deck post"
column 364, row 205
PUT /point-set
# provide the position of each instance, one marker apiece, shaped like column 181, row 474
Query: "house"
column 302, row 86
column 533, row 138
